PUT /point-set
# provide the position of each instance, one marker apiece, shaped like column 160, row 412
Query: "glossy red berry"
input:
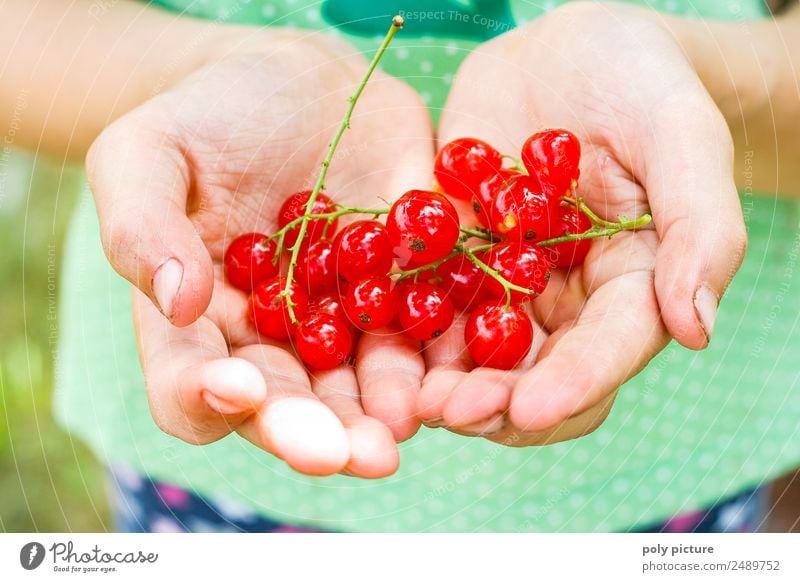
column 522, row 210
column 323, row 341
column 362, row 250
column 424, row 311
column 519, row 263
column 571, row 253
column 370, row 303
column 462, row 164
column 553, row 157
column 463, row 281
column 248, row 260
column 316, row 269
column 269, row 311
column 487, row 190
column 330, row 303
column 423, row 228
column 498, row 337
column 295, row 206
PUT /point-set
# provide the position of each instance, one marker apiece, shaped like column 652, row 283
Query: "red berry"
column 323, row 341
column 487, row 190
column 463, row 281
column 519, row 263
column 329, row 303
column 573, row 221
column 294, row 207
column 316, row 269
column 269, row 311
column 522, row 210
column 462, row 164
column 424, row 311
column 248, row 260
column 423, row 228
column 498, row 337
column 553, row 157
column 370, row 303
column 361, row 250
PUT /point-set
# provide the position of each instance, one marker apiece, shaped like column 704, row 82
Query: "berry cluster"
column 339, row 284
column 330, row 286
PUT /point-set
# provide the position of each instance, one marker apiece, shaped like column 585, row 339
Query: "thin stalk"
column 397, row 24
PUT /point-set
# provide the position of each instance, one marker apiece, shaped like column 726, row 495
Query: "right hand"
column 178, row 178
column 653, row 141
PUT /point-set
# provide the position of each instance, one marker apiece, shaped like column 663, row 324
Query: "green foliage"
column 48, row 481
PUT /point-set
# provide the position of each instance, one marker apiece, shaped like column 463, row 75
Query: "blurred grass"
column 48, row 482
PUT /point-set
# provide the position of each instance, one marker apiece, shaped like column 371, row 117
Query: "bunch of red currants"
column 336, row 285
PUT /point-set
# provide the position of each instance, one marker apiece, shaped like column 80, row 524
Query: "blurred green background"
column 48, row 482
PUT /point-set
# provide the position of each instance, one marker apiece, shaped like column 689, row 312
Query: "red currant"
column 463, row 281
column 423, row 228
column 330, row 303
column 323, row 341
column 567, row 254
column 424, row 311
column 269, row 311
column 498, row 337
column 553, row 157
column 519, row 263
column 523, row 211
column 294, row 207
column 362, row 249
column 316, row 269
column 487, row 190
column 371, row 303
column 248, row 260
column 463, row 163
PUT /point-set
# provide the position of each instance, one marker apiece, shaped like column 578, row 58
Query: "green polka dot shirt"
column 691, row 429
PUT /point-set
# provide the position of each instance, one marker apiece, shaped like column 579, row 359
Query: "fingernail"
column 706, row 304
column 222, row 406
column 434, row 422
column 166, row 283
column 487, row 427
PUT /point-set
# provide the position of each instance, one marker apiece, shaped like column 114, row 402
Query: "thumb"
column 140, row 180
column 689, row 180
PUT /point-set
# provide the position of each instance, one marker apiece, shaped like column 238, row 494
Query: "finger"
column 687, row 164
column 390, row 368
column 574, row 427
column 195, row 390
column 140, row 183
column 373, row 452
column 483, row 395
column 293, row 424
column 447, row 361
column 230, row 313
column 616, row 334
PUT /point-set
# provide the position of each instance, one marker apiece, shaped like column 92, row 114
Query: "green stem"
column 518, row 165
column 600, row 227
column 477, row 233
column 329, row 216
column 508, row 286
column 397, row 24
column 415, row 272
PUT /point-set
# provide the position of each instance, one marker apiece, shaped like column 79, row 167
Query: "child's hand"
column 181, row 176
column 654, row 141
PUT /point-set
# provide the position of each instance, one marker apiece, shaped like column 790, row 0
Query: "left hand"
column 653, row 141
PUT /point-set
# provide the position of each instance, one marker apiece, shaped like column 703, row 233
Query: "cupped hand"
column 655, row 142
column 214, row 157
